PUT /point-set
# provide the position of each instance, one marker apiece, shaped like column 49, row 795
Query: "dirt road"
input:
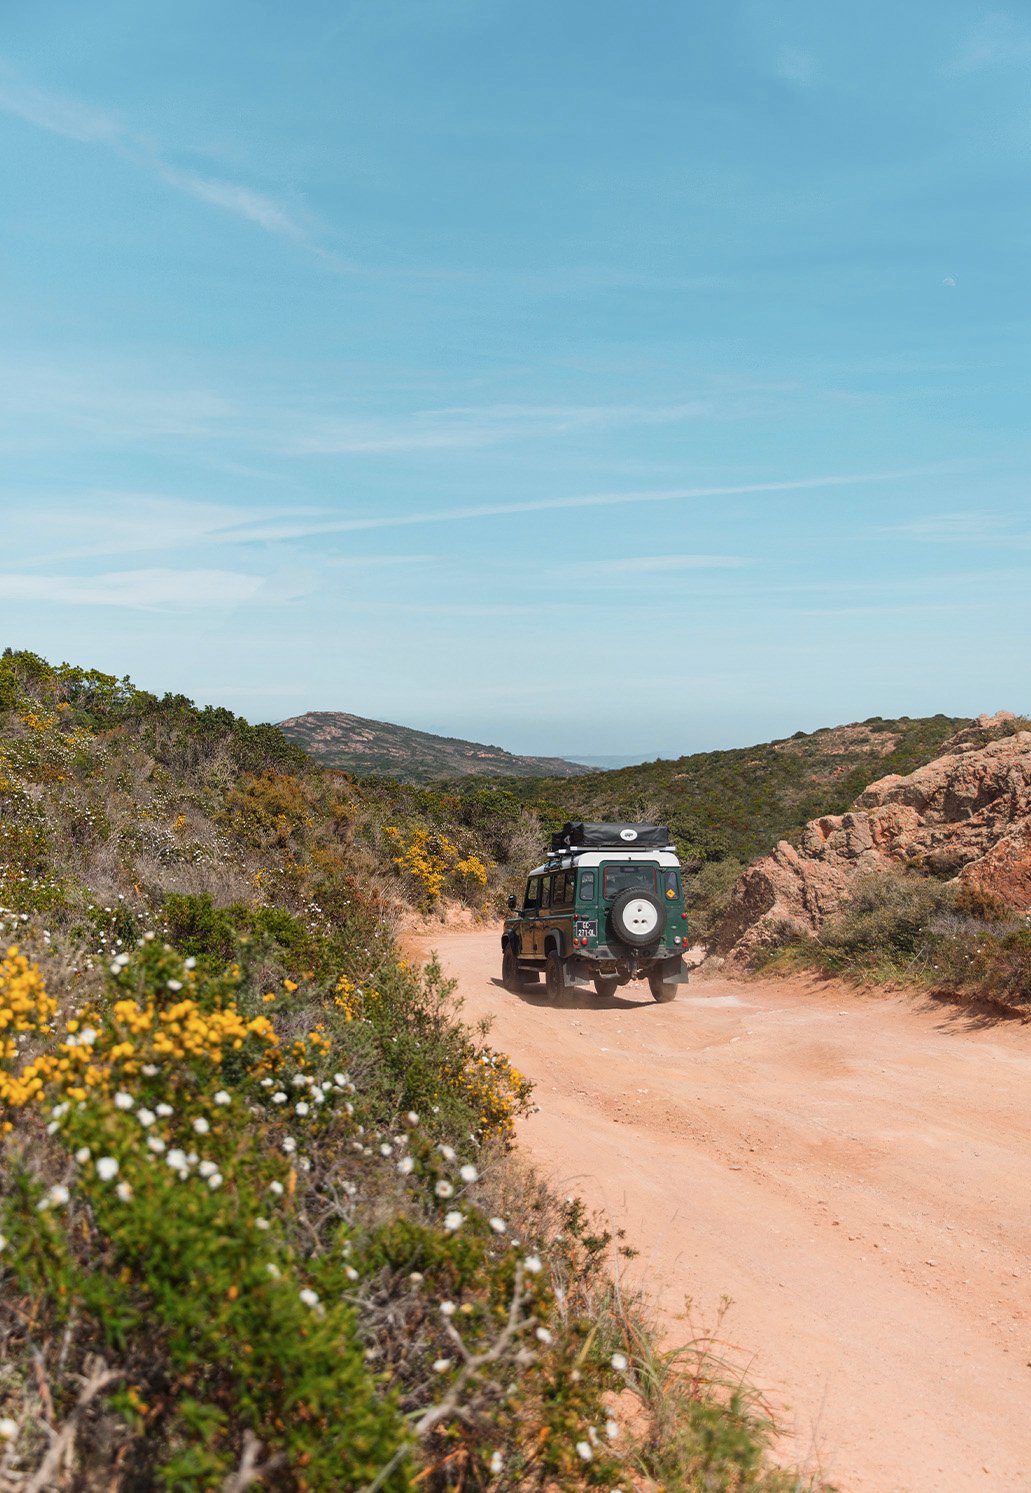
column 854, row 1171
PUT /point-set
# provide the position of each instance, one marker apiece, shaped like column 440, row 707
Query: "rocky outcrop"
column 967, row 814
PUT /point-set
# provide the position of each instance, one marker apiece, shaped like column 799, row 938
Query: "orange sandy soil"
column 852, row 1169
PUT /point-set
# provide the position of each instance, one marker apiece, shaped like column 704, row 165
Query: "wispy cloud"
column 964, row 528
column 795, row 65
column 233, row 198
column 61, row 116
column 635, row 565
column 142, row 589
column 997, row 40
column 73, row 120
column 469, row 426
column 289, row 529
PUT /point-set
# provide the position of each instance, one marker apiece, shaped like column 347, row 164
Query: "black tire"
column 510, row 976
column 662, row 990
column 555, row 977
column 631, row 921
column 606, row 985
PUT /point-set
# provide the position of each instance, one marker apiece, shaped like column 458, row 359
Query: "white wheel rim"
column 641, row 917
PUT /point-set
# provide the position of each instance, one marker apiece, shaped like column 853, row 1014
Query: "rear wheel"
column 510, row 977
column 555, row 977
column 662, row 990
column 606, row 985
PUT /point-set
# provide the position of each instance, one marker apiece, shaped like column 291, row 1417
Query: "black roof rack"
column 576, row 835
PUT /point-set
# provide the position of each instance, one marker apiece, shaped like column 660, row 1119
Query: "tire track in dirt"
column 854, row 1171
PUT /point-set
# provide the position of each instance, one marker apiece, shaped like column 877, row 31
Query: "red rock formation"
column 967, row 815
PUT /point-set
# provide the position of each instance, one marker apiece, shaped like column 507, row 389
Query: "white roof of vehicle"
column 593, row 858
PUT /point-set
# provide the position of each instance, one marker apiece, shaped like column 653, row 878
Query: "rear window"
column 617, row 879
column 587, row 886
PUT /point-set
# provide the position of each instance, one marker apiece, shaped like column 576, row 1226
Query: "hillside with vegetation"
column 260, row 1217
column 725, row 808
column 350, row 742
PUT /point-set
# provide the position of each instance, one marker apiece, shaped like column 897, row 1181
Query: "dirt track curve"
column 854, row 1171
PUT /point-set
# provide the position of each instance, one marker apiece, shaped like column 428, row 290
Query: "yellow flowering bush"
column 430, row 860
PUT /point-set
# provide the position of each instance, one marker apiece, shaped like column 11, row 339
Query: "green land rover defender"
column 606, row 907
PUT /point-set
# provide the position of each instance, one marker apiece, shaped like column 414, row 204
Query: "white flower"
column 416, row 1278
column 447, row 1308
column 277, row 1188
column 222, row 1097
column 301, row 1109
column 56, row 1197
column 444, row 1189
column 150, row 1070
column 164, row 1110
column 448, row 1152
column 289, row 1144
column 584, row 1451
column 497, row 1462
column 611, row 1430
column 207, row 1168
column 107, row 1168
column 454, row 1221
column 279, row 1097
column 498, row 1225
column 350, row 1272
column 469, row 1174
column 262, row 1223
column 176, row 1159
column 124, row 1192
column 441, row 1365
column 273, row 1270
column 299, row 1080
column 146, row 1117
column 201, row 1125
column 155, row 1143
column 266, row 1083
column 53, row 1127
column 215, row 1180
column 123, row 1100
column 386, row 1149
column 175, row 984
column 309, row 1297
column 543, row 1335
column 618, row 1362
column 190, row 963
column 88, row 1036
column 406, row 1165
column 8, row 1429
column 412, row 1117
column 532, row 1264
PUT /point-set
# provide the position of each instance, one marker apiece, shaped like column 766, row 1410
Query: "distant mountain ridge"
column 335, row 738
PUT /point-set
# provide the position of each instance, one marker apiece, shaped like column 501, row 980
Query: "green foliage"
column 737, row 804
column 912, row 928
column 256, row 1202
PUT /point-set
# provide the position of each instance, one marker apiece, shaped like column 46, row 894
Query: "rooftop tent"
column 576, row 835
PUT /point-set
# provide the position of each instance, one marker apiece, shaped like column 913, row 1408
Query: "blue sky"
column 627, row 379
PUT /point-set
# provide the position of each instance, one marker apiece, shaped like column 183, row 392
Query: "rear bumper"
column 583, row 969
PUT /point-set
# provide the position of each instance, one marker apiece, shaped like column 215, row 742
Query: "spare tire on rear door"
column 638, row 918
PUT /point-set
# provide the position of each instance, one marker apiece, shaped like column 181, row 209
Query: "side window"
column 671, row 885
column 587, row 886
column 545, row 892
column 533, row 892
column 560, row 890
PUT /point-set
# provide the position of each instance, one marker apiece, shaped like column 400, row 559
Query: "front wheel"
column 510, row 971
column 554, row 977
column 662, row 990
column 606, row 986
